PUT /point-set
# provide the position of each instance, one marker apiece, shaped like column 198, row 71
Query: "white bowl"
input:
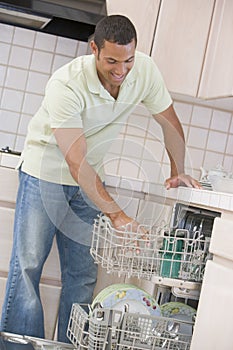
column 222, row 184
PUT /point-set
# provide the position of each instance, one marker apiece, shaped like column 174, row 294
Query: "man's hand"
column 130, row 230
column 181, row 179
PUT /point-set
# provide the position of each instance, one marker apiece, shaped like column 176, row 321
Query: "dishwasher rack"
column 108, row 329
column 166, row 256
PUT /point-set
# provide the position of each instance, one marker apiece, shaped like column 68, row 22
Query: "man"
column 61, row 187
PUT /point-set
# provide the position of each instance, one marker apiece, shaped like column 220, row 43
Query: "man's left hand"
column 182, row 179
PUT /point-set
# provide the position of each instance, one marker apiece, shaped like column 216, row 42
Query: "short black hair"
column 116, row 29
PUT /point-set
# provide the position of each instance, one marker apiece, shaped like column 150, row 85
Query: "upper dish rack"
column 172, row 257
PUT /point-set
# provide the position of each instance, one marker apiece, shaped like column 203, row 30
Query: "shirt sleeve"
column 63, row 106
column 158, row 98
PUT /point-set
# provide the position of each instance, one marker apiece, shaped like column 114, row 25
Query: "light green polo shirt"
column 75, row 98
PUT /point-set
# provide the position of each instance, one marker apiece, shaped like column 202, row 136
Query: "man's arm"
column 72, row 144
column 175, row 146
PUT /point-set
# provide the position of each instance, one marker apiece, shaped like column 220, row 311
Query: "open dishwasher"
column 171, row 256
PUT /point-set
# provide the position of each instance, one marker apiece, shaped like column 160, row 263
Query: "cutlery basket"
column 106, row 329
column 171, row 257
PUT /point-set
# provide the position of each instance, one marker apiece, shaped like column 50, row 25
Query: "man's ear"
column 94, row 48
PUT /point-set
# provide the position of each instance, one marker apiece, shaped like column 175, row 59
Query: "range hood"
column 75, row 19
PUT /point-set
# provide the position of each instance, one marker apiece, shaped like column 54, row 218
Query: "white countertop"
column 206, row 198
column 215, row 200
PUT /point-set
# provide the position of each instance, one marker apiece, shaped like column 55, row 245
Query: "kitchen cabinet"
column 180, row 42
column 142, row 14
column 6, row 237
column 217, row 76
column 213, row 326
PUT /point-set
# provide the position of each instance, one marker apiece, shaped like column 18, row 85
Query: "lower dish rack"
column 107, row 329
column 167, row 256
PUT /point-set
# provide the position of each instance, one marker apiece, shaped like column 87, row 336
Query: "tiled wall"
column 28, row 58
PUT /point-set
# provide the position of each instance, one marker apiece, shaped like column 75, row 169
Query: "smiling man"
column 61, row 187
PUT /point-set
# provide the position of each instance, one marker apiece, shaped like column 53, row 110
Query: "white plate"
column 138, row 301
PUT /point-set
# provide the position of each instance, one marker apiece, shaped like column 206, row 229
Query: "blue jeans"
column 45, row 210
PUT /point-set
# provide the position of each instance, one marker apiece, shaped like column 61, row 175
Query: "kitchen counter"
column 204, row 198
column 140, row 189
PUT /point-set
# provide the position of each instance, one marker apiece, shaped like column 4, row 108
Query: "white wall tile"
column 165, row 173
column 137, row 125
column 154, row 130
column 194, row 157
column 9, row 121
column 66, row 46
column 41, row 61
column 220, row 121
column 216, row 141
column 228, row 163
column 150, row 171
column 31, row 103
column 12, row 100
column 229, row 148
column 129, row 168
column 4, row 53
column 7, row 139
column 212, row 159
column 153, row 150
column 19, row 143
column 2, row 74
column 59, row 61
column 231, row 127
column 36, row 82
column 24, row 37
column 184, row 111
column 82, row 48
column 23, row 124
column 20, row 57
column 6, row 33
column 16, row 78
column 197, row 137
column 133, row 147
column 46, row 42
column 201, row 116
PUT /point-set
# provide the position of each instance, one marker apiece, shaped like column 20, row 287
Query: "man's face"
column 113, row 62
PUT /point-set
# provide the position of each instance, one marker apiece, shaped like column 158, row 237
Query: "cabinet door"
column 180, row 43
column 6, row 237
column 217, row 77
column 213, row 326
column 143, row 14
